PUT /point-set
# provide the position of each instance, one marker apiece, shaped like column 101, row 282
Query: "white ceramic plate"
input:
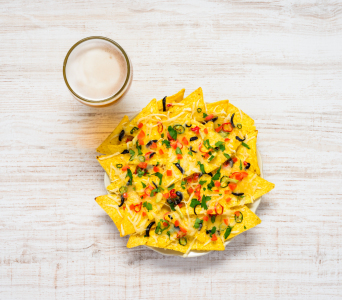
column 253, row 207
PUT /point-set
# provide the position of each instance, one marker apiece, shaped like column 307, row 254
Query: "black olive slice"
column 148, row 228
column 121, row 135
column 164, row 103
column 193, row 138
column 238, row 194
column 231, row 120
column 240, row 139
column 122, row 201
column 151, row 142
column 125, row 152
column 179, row 167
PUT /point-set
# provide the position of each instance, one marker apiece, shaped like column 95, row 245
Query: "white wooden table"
column 279, row 61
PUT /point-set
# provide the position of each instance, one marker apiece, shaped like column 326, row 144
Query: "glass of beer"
column 97, row 71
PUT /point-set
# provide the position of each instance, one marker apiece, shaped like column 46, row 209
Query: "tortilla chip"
column 113, row 138
column 250, row 220
column 117, row 214
column 151, row 108
column 171, row 99
column 212, row 245
column 195, row 102
column 137, row 240
column 249, row 155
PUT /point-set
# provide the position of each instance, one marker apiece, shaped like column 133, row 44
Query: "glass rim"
column 126, row 59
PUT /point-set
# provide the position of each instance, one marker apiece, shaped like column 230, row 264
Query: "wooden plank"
column 280, row 62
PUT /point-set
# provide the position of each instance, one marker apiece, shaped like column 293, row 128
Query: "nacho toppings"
column 183, row 180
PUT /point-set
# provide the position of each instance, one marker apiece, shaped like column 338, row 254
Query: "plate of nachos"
column 183, row 176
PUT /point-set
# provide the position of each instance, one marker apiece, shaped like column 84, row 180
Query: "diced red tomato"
column 169, row 105
column 141, row 135
column 237, row 213
column 182, row 229
column 245, row 163
column 218, row 129
column 228, row 200
column 165, row 224
column 166, row 195
column 217, row 184
column 196, row 129
column 129, row 139
column 143, row 214
column 232, row 186
column 244, row 174
column 209, row 211
column 209, row 117
column 124, row 195
column 141, row 142
column 195, row 177
column 185, row 141
column 140, row 125
column 214, row 237
column 205, row 130
column 180, row 205
column 169, row 172
column 179, row 156
column 161, row 152
column 142, row 165
column 235, row 159
column 177, row 223
column 125, row 168
column 153, row 146
column 227, row 192
column 226, row 140
column 205, row 218
column 190, row 191
column 226, row 221
column 189, row 180
column 206, row 155
column 174, row 145
column 131, row 207
column 155, row 169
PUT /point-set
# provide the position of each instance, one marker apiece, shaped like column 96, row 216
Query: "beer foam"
column 96, row 70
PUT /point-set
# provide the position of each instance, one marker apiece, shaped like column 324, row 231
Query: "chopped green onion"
column 239, row 218
column 183, row 241
column 245, row 145
column 239, row 125
column 134, row 129
column 141, row 158
column 123, row 189
column 179, row 128
column 119, row 166
column 199, row 110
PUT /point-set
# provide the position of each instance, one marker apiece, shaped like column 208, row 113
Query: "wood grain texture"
column 279, row 61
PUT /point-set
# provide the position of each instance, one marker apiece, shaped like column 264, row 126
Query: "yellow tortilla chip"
column 137, row 240
column 250, row 220
column 194, row 102
column 151, row 108
column 117, row 214
column 113, row 138
column 249, row 155
column 171, row 99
